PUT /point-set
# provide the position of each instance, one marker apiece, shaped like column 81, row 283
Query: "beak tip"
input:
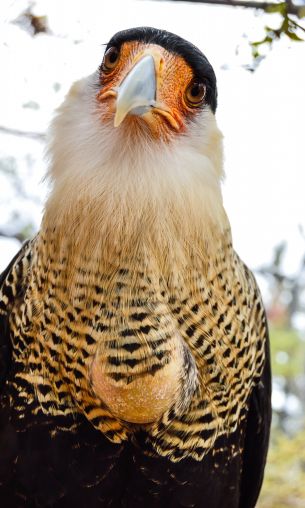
column 118, row 119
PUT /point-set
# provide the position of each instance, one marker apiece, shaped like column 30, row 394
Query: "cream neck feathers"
column 113, row 197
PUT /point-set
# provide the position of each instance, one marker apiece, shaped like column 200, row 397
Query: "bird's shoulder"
column 12, row 288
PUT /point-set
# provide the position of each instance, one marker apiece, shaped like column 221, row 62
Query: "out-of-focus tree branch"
column 15, row 132
column 16, row 236
column 294, row 285
column 265, row 6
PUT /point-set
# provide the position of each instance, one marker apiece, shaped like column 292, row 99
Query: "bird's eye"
column 195, row 93
column 110, row 59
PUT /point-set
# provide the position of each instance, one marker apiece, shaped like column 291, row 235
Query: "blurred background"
column 259, row 59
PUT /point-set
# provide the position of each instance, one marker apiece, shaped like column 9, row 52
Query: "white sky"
column 261, row 114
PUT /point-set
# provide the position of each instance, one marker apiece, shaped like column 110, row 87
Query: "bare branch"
column 39, row 136
column 16, row 236
column 291, row 7
column 297, row 25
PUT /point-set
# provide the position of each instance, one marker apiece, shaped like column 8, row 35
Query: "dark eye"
column 195, row 93
column 110, row 59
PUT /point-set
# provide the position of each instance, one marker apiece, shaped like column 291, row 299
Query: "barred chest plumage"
column 131, row 348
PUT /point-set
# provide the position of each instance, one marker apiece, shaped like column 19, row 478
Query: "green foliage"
column 281, row 8
column 287, row 352
column 284, row 484
column 288, row 27
column 301, row 12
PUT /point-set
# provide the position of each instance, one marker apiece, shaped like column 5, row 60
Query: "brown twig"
column 291, row 7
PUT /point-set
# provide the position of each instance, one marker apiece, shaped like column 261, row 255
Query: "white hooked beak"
column 137, row 92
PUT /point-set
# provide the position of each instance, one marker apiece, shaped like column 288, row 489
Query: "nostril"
column 161, row 66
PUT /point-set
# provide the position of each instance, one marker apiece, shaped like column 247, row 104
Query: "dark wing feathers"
column 5, row 348
column 6, row 297
column 257, row 436
column 8, row 438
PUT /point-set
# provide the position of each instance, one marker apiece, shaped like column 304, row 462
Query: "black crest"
column 171, row 42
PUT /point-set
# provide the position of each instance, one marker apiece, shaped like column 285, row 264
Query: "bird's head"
column 155, row 80
column 137, row 142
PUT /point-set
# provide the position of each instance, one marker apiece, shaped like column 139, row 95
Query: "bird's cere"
column 137, row 92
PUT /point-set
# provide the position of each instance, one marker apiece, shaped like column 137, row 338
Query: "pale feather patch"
column 117, row 192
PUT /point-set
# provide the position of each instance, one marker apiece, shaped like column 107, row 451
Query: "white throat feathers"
column 115, row 193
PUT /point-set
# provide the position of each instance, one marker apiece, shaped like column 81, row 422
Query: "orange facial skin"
column 173, row 76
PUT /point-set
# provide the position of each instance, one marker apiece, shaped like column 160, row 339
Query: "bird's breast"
column 116, row 340
column 141, row 389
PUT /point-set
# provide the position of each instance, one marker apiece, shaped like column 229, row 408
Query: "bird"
column 134, row 349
